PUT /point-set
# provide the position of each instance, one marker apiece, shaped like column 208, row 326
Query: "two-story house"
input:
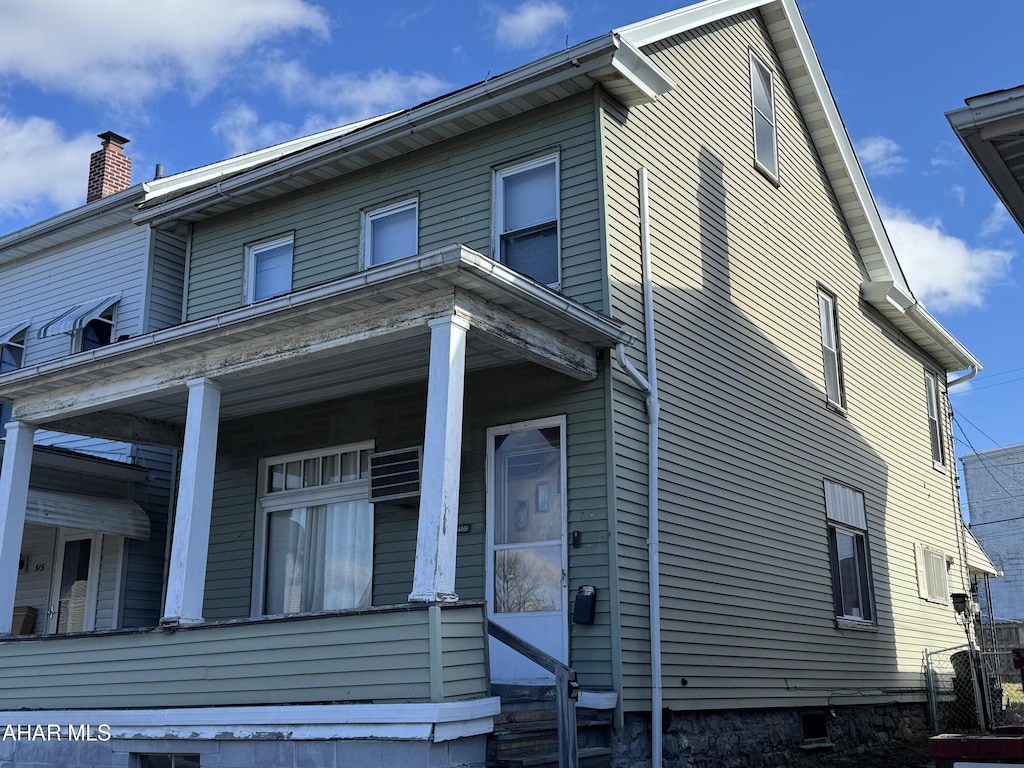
column 611, row 350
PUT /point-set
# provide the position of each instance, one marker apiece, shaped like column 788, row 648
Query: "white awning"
column 78, row 316
column 978, row 563
column 87, row 513
column 8, row 332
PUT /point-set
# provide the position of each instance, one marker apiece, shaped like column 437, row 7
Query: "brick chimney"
column 110, row 169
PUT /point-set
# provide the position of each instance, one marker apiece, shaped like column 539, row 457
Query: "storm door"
column 526, row 558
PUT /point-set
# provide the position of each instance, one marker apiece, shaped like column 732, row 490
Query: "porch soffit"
column 363, row 332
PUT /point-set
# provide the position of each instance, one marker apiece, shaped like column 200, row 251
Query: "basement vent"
column 395, row 474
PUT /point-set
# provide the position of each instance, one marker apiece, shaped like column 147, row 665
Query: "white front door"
column 526, row 548
column 75, row 584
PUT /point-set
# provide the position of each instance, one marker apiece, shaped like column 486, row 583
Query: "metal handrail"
column 566, row 690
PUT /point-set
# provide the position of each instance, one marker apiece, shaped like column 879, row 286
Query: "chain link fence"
column 964, row 693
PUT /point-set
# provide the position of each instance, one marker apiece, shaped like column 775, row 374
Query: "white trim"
column 369, row 217
column 439, row 721
column 498, row 230
column 252, row 252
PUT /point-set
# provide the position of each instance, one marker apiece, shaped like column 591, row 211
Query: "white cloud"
column 353, row 97
column 125, row 53
column 943, row 271
column 959, row 193
column 242, row 131
column 528, row 24
column 881, row 156
column 997, row 221
column 947, row 155
column 39, row 166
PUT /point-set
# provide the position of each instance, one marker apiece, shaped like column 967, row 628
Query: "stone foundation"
column 762, row 739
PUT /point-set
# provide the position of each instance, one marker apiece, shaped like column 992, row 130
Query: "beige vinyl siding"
column 373, row 656
column 394, row 418
column 746, row 438
column 452, row 182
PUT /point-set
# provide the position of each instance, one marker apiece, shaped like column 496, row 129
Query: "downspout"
column 971, row 373
column 650, row 388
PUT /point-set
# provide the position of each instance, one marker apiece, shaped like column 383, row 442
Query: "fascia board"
column 674, row 22
column 208, row 174
column 968, row 123
column 119, row 203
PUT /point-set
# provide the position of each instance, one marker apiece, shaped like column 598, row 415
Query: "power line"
column 956, row 421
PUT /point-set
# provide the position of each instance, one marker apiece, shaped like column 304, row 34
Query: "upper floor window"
column 829, row 322
column 762, row 100
column 98, row 332
column 391, row 233
column 269, row 268
column 90, row 324
column 848, row 553
column 12, row 356
column 526, row 219
column 932, row 393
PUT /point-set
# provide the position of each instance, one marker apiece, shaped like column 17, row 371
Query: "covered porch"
column 222, row 390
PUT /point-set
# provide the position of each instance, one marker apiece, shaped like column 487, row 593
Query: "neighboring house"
column 468, row 289
column 995, row 497
column 990, row 129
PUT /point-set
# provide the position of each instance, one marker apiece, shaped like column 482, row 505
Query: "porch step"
column 526, row 733
column 589, row 757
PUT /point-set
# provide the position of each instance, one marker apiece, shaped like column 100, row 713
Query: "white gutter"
column 587, row 58
column 650, row 388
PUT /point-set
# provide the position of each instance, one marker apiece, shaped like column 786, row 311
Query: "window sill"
column 938, row 466
column 836, row 409
column 860, row 626
column 768, row 175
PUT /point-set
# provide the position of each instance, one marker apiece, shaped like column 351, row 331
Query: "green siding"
column 367, row 657
column 394, row 418
column 452, row 181
column 746, row 439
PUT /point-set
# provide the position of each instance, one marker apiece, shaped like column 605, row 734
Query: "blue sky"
column 192, row 81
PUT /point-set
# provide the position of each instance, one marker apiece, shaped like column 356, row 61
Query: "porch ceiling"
column 360, row 333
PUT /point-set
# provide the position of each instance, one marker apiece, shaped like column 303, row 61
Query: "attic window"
column 762, row 102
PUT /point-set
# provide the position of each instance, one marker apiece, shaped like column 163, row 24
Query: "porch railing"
column 566, row 690
column 408, row 653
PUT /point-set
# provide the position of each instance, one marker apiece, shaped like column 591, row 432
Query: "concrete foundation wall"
column 117, row 753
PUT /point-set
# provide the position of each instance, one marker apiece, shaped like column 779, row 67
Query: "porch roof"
column 361, row 332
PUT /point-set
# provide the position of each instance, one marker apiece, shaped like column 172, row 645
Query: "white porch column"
column 13, row 496
column 186, row 576
column 434, row 577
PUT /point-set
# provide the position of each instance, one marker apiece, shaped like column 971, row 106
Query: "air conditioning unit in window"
column 395, row 474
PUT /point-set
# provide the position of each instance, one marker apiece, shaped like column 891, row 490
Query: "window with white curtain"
column 314, row 549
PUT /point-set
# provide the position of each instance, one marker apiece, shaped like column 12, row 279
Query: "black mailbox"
column 586, row 603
